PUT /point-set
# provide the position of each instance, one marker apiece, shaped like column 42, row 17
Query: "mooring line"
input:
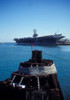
column 56, row 57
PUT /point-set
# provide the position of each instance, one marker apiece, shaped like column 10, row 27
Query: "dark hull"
column 39, row 44
column 47, row 42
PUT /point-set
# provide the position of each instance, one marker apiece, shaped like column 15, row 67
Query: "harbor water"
column 12, row 54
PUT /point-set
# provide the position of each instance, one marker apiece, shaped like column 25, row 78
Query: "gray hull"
column 48, row 42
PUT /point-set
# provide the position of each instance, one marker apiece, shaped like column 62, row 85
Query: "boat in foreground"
column 35, row 79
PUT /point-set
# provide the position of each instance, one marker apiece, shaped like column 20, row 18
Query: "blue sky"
column 18, row 18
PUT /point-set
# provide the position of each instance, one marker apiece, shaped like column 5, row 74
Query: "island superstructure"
column 48, row 40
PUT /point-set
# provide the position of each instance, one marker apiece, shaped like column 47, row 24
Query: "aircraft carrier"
column 48, row 40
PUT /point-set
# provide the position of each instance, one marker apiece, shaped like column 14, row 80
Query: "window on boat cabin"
column 17, row 79
column 43, row 82
column 46, row 82
column 30, row 82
